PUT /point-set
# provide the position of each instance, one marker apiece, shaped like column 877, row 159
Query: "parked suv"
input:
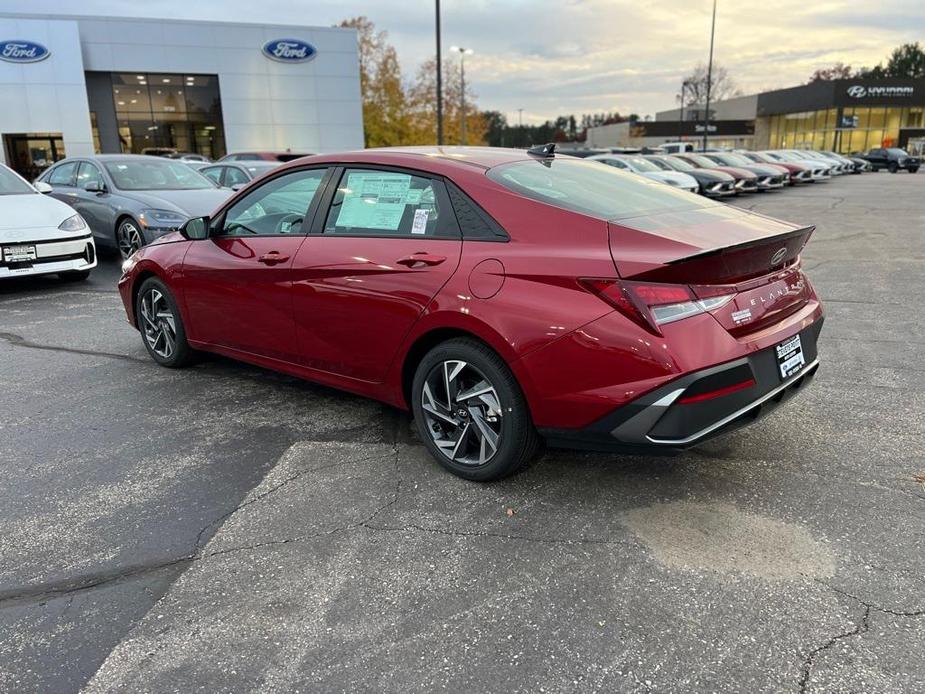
column 892, row 159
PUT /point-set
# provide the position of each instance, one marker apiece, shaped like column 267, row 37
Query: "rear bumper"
column 668, row 418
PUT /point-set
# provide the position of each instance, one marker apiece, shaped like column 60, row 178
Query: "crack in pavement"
column 860, row 628
column 19, row 341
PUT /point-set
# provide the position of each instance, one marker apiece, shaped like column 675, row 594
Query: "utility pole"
column 681, row 119
column 439, row 81
column 520, row 117
column 463, row 52
column 706, row 114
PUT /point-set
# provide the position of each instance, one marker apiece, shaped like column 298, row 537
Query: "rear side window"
column 589, row 188
column 234, row 176
column 372, row 202
column 213, row 173
column 63, row 175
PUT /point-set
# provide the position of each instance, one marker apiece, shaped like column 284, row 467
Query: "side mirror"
column 238, row 186
column 196, row 229
column 42, row 187
column 94, row 187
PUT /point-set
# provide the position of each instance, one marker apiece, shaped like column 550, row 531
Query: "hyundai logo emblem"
column 778, row 256
column 857, row 91
column 289, row 50
column 22, row 51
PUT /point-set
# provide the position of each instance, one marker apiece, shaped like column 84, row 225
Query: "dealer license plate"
column 18, row 254
column 790, row 357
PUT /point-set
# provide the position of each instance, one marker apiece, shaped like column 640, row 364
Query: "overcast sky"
column 552, row 57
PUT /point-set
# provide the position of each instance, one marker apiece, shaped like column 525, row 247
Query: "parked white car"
column 642, row 166
column 40, row 235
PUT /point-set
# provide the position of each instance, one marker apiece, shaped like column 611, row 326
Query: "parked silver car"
column 129, row 200
column 236, row 174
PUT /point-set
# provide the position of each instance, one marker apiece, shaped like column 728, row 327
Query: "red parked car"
column 745, row 181
column 504, row 297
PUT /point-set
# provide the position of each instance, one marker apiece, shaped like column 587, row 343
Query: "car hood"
column 32, row 211
column 192, row 203
column 663, row 241
column 676, row 177
column 735, row 171
column 711, row 175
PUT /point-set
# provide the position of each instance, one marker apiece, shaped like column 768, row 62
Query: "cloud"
column 551, row 57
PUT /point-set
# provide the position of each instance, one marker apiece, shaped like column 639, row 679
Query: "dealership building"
column 852, row 115
column 73, row 86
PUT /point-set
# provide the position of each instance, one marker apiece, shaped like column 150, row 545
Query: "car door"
column 237, row 283
column 94, row 207
column 383, row 243
column 877, row 157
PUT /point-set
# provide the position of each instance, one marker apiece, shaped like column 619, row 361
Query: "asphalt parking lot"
column 224, row 528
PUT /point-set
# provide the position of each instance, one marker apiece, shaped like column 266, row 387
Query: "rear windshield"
column 592, row 189
column 11, row 184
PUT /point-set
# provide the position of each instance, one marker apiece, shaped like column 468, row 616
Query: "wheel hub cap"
column 158, row 324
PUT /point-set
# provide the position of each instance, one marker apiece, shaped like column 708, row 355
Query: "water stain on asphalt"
column 719, row 537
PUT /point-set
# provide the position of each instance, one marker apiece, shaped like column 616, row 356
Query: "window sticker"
column 373, row 201
column 419, row 225
column 413, row 196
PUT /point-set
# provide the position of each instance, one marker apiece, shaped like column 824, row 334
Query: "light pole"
column 463, row 52
column 681, row 119
column 439, row 81
column 706, row 114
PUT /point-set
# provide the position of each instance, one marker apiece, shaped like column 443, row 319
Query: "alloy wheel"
column 158, row 324
column 462, row 412
column 129, row 238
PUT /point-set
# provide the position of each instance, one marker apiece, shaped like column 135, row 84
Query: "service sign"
column 22, row 51
column 289, row 50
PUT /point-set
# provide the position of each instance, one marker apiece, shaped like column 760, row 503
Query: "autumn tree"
column 839, row 71
column 722, row 86
column 422, row 99
column 386, row 120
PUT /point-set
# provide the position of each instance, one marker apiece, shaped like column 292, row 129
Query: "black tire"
column 518, row 443
column 74, row 275
column 892, row 167
column 129, row 237
column 913, row 169
column 155, row 325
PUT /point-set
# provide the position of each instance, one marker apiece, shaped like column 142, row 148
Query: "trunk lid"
column 718, row 250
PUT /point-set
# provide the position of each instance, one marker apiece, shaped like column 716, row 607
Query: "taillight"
column 651, row 305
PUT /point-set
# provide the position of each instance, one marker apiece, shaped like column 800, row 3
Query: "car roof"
column 432, row 158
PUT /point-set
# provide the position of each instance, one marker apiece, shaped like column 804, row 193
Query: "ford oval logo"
column 22, row 51
column 289, row 50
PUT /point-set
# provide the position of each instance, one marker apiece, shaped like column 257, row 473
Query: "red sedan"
column 505, row 297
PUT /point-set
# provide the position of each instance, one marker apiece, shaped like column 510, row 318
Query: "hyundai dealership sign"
column 22, row 51
column 289, row 50
column 860, row 91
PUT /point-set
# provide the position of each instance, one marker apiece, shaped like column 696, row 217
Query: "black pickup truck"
column 892, row 159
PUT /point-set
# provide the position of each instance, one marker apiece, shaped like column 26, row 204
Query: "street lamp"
column 684, row 85
column 463, row 52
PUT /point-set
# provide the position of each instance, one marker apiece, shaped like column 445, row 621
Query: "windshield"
column 156, row 174
column 679, row 164
column 900, row 152
column 11, row 184
column 641, row 164
column 736, row 160
column 701, row 160
column 782, row 156
column 588, row 188
column 660, row 163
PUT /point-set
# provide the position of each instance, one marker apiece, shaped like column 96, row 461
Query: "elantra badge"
column 779, row 256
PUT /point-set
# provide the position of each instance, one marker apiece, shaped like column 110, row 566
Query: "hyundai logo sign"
column 22, row 51
column 859, row 91
column 289, row 50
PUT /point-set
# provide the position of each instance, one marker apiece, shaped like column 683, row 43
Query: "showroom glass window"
column 371, row 202
column 276, row 208
column 158, row 113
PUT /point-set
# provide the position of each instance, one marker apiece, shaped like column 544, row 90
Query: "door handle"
column 272, row 258
column 422, row 258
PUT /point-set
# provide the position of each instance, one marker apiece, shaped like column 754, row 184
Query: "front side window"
column 585, row 187
column 155, row 173
column 213, row 173
column 234, row 176
column 278, row 207
column 387, row 203
column 88, row 173
column 63, row 175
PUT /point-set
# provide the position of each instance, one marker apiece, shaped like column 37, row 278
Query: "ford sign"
column 22, row 51
column 289, row 50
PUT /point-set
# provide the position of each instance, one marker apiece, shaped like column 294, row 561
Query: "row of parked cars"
column 120, row 202
column 719, row 174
